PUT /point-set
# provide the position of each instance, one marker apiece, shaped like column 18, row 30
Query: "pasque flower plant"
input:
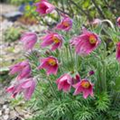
column 64, row 82
column 84, row 86
column 78, row 75
column 44, row 7
column 53, row 39
column 27, row 86
column 29, row 39
column 86, row 42
column 65, row 24
column 50, row 64
column 23, row 69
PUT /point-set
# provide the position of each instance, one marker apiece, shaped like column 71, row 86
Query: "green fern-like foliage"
column 103, row 102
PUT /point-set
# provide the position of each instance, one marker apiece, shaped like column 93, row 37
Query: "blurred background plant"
column 12, row 34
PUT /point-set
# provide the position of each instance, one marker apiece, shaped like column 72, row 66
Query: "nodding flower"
column 65, row 24
column 44, row 7
column 29, row 39
column 27, row 86
column 85, row 43
column 53, row 39
column 84, row 86
column 50, row 64
column 23, row 70
column 64, row 82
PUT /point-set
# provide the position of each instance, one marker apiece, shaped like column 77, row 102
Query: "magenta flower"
column 23, row 69
column 76, row 79
column 118, row 21
column 53, row 39
column 29, row 40
column 65, row 24
column 64, row 82
column 27, row 86
column 118, row 51
column 85, row 43
column 50, row 64
column 44, row 7
column 84, row 86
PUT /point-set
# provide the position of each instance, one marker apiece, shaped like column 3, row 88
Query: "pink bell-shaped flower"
column 50, row 64
column 44, row 7
column 65, row 24
column 29, row 40
column 27, row 86
column 23, row 70
column 64, row 82
column 85, row 87
column 53, row 39
column 85, row 43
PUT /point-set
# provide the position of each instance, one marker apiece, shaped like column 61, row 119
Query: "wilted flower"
column 64, row 82
column 27, row 86
column 65, row 24
column 50, row 64
column 44, row 7
column 53, row 39
column 118, row 51
column 84, row 86
column 85, row 43
column 29, row 40
column 23, row 69
column 118, row 21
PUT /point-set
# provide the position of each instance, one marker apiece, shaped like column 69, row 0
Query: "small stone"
column 13, row 114
column 5, row 117
column 0, row 113
column 4, row 106
column 7, row 111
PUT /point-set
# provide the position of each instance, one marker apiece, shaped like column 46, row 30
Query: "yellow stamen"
column 66, row 24
column 51, row 62
column 55, row 39
column 92, row 39
column 85, row 84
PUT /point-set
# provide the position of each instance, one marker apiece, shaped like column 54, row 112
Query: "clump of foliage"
column 12, row 34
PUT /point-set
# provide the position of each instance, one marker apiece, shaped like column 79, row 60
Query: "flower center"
column 92, row 39
column 65, row 23
column 55, row 39
column 85, row 84
column 52, row 62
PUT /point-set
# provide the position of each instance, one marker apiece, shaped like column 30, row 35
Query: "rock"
column 12, row 16
column 13, row 114
column 7, row 111
column 0, row 112
column 5, row 117
column 4, row 107
column 5, row 25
